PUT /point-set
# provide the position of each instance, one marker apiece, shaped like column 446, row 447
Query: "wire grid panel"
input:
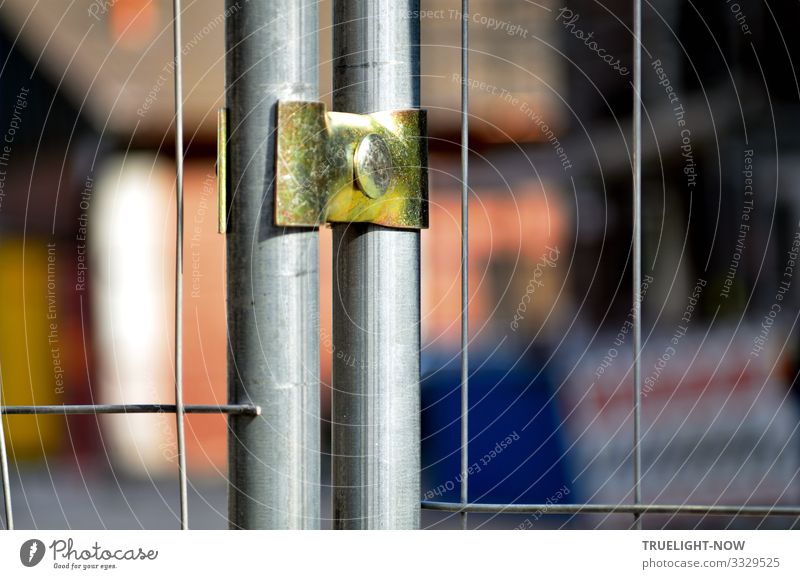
column 638, row 508
column 179, row 409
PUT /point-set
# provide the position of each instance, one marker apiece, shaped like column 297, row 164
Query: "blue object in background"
column 509, row 461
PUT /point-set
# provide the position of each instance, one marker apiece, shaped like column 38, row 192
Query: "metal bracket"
column 345, row 168
column 222, row 170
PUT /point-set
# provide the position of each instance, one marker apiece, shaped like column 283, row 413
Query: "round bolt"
column 373, row 166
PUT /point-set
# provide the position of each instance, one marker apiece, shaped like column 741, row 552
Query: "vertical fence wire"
column 4, row 466
column 179, row 408
column 464, row 257
column 637, row 257
column 637, row 509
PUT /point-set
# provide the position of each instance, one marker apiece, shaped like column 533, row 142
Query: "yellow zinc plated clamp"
column 345, row 168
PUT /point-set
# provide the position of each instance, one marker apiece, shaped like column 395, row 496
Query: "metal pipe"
column 273, row 276
column 83, row 409
column 376, row 292
column 598, row 509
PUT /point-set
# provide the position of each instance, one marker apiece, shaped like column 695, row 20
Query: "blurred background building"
column 87, row 257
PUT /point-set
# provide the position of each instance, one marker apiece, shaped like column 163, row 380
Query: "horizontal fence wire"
column 595, row 509
column 94, row 409
column 81, row 409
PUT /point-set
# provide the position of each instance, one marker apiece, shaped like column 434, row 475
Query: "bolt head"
column 373, row 166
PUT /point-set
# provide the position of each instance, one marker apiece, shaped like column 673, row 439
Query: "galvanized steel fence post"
column 273, row 281
column 376, row 292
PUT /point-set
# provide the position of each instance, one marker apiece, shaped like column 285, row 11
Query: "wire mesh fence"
column 374, row 501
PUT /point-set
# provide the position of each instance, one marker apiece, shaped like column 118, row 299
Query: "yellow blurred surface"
column 28, row 361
